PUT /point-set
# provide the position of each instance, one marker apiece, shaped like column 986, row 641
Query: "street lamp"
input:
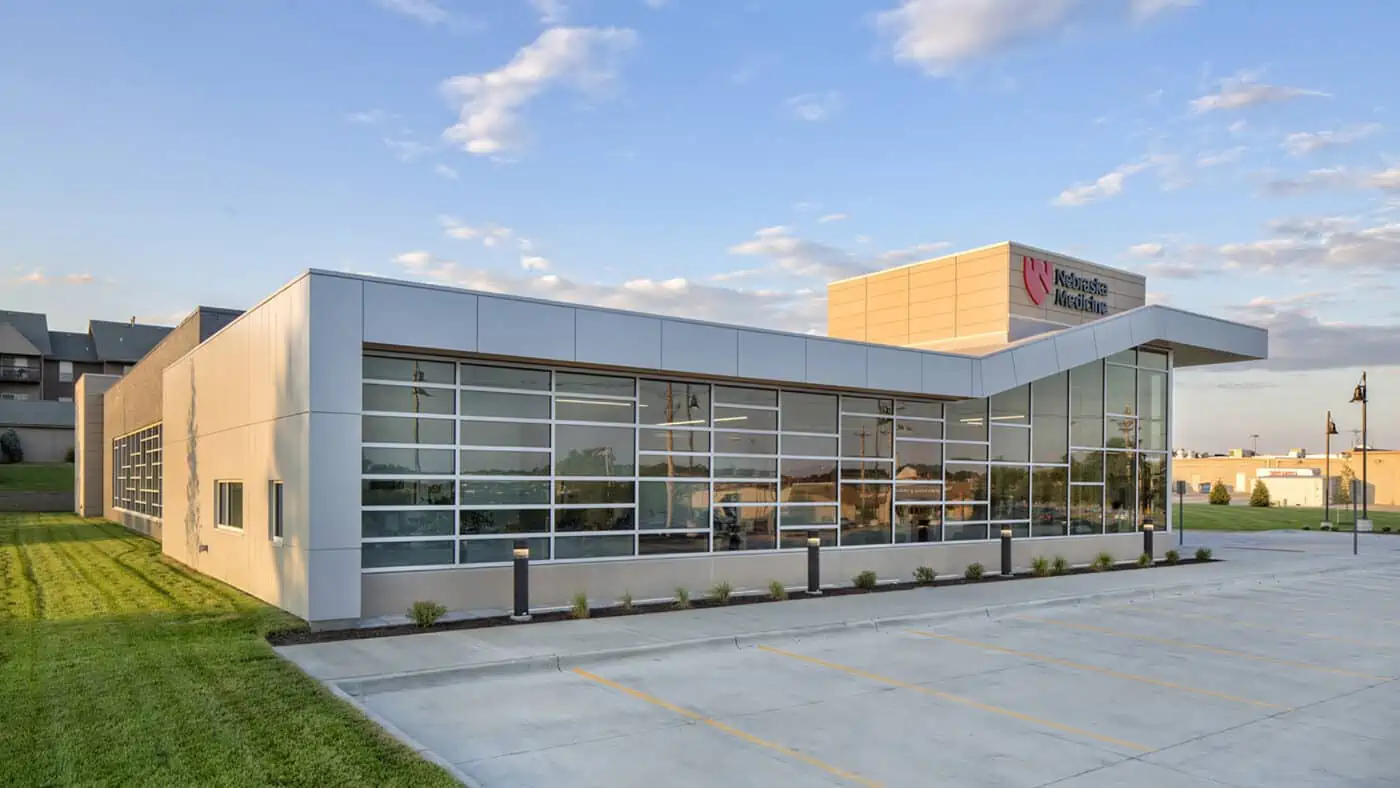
column 1255, row 438
column 1327, row 474
column 1359, row 395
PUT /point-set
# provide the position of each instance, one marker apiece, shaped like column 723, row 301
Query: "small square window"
column 65, row 372
column 228, row 505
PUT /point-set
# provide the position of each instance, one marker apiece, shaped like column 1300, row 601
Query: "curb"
column 431, row 677
column 408, row 741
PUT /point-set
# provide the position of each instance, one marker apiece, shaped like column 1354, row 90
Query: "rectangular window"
column 228, row 504
column 673, row 404
column 1050, row 419
column 274, row 510
column 65, row 372
column 1011, row 492
column 1086, row 405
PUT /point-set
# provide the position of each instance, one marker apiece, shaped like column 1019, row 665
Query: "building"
column 39, row 370
column 353, row 444
column 1238, row 474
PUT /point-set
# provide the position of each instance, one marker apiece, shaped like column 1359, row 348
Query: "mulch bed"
column 302, row 636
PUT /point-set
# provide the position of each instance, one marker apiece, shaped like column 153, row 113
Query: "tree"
column 10, row 450
column 1343, row 496
column 1260, row 496
column 1219, row 494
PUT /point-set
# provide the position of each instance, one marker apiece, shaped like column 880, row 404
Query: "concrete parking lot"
column 1251, row 683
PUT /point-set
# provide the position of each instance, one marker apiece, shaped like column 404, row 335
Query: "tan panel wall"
column 554, row 585
column 1125, row 290
column 90, row 451
column 1382, row 472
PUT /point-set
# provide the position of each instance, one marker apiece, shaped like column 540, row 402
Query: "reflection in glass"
column 734, row 395
column 594, row 492
column 808, row 515
column 966, row 420
column 504, row 433
column 1128, row 357
column 382, row 555
column 808, row 481
column 673, row 403
column 673, row 505
column 606, row 546
column 490, row 492
column 407, row 370
column 1010, row 444
column 965, row 482
column 616, row 518
column 496, row 551
column 411, row 461
column 1121, row 432
column 1152, row 410
column 1011, row 407
column 803, row 412
column 608, row 410
column 919, row 461
column 393, row 429
column 505, row 377
column 744, row 527
column 918, row 410
column 746, row 468
column 904, row 491
column 1152, row 490
column 1010, row 493
column 746, row 492
column 963, row 532
column 501, row 405
column 1050, row 419
column 931, row 430
column 870, row 405
column 792, row 540
column 918, row 523
column 599, row 385
column 422, row 522
column 869, row 470
column 1050, row 512
column 867, row 436
column 1120, row 390
column 662, row 544
column 504, row 463
column 1086, row 466
column 808, row 446
column 866, row 513
column 1120, row 492
column 593, row 451
column 408, row 399
column 746, row 443
column 1086, row 405
column 673, row 440
column 406, row 492
column 1152, row 359
column 674, row 465
column 965, row 451
column 1086, row 510
column 745, row 418
column 504, row 521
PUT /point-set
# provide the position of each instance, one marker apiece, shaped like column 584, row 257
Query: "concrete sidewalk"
column 360, row 666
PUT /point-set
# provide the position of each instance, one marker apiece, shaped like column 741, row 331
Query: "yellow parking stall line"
column 1152, row 611
column 732, row 731
column 961, row 700
column 1096, row 669
column 1201, row 647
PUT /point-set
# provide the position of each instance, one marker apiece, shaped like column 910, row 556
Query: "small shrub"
column 1325, row 528
column 1040, row 566
column 1385, row 529
column 1172, row 556
column 721, row 592
column 776, row 590
column 1102, row 562
column 580, row 607
column 1219, row 494
column 68, row 456
column 1260, row 496
column 682, row 598
column 10, row 449
column 1144, row 560
column 1203, row 554
column 1307, row 528
column 923, row 575
column 865, row 580
column 425, row 613
column 973, row 572
column 625, row 602
column 1059, row 565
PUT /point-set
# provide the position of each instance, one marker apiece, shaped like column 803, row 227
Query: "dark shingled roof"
column 68, row 346
column 124, row 342
column 32, row 326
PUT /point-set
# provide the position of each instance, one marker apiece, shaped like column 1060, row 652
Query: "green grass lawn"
column 119, row 667
column 36, row 476
column 1204, row 517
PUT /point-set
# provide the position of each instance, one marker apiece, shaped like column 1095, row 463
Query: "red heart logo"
column 1038, row 276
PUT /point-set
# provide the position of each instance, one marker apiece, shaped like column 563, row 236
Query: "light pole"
column 1255, row 448
column 1327, row 474
column 1359, row 395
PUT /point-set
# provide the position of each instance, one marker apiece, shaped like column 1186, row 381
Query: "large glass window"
column 1152, row 410
column 1120, row 491
column 1085, row 509
column 1120, row 389
column 673, row 404
column 1086, row 405
column 966, row 420
column 866, row 510
column 1152, row 490
column 1011, row 407
column 1011, row 492
column 1050, row 515
column 1050, row 419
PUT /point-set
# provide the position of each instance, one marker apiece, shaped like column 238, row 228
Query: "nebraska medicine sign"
column 1071, row 291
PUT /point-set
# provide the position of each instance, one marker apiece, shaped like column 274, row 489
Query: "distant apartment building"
column 39, row 369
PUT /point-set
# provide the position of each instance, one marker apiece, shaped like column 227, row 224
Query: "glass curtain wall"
column 460, row 460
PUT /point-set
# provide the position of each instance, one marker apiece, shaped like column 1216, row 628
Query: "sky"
column 724, row 159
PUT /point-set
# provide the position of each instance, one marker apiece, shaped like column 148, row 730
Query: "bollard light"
column 814, row 565
column 1147, row 530
column 521, row 554
column 1006, row 552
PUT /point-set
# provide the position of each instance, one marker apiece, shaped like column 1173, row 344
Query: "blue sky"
column 722, row 160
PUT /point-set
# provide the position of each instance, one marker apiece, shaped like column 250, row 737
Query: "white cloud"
column 799, row 257
column 370, row 117
column 1245, row 90
column 534, row 263
column 939, row 35
column 1171, row 270
column 407, row 148
column 489, row 104
column 425, row 11
column 1335, row 178
column 1219, row 157
column 909, row 254
column 487, row 234
column 1146, row 250
column 38, row 278
column 1302, row 143
column 814, row 107
column 1143, row 10
column 552, row 12
column 1237, row 127
column 1107, row 185
column 444, row 171
column 833, row 217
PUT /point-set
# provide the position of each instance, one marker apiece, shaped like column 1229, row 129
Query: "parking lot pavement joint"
column 408, row 741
